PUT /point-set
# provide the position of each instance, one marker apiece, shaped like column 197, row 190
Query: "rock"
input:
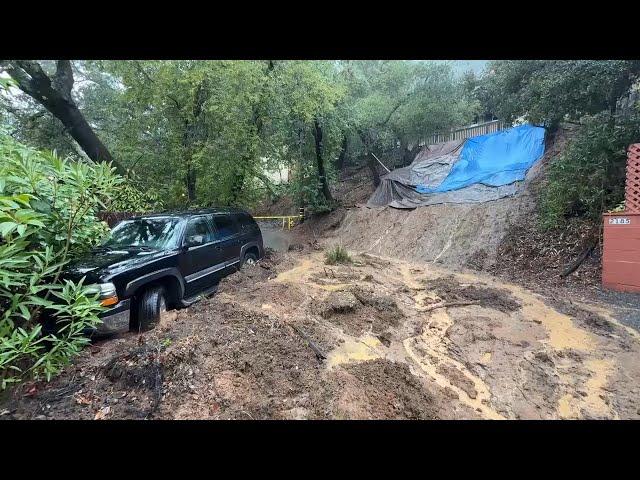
column 339, row 302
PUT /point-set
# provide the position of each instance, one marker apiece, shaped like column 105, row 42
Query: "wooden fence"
column 465, row 132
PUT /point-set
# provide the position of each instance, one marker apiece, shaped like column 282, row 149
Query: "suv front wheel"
column 152, row 306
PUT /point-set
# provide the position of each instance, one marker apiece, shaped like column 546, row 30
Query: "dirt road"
column 401, row 340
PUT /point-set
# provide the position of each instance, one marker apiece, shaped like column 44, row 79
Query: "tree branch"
column 25, row 82
column 399, row 104
column 146, row 75
column 63, row 79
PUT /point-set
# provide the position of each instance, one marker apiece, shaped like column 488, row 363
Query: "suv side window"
column 197, row 232
column 225, row 226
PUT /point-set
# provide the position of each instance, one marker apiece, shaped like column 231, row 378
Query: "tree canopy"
column 206, row 132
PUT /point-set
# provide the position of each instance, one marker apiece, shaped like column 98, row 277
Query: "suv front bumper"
column 116, row 319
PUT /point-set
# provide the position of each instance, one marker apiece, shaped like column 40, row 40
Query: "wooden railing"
column 466, row 132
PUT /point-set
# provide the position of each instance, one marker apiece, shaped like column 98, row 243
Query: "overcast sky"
column 461, row 66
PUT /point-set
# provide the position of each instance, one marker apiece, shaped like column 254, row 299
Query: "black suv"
column 154, row 263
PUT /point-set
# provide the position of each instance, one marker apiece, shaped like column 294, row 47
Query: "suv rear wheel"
column 249, row 258
column 152, row 307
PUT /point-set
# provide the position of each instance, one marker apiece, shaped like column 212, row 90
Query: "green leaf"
column 7, row 227
column 40, row 206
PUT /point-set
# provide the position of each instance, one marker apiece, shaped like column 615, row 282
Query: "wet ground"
column 274, row 236
column 380, row 338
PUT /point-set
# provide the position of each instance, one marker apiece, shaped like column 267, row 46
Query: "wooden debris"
column 319, row 353
column 448, row 304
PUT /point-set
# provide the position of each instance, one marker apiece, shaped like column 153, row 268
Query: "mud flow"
column 292, row 338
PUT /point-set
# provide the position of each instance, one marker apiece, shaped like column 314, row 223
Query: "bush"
column 47, row 215
column 337, row 254
column 588, row 178
column 548, row 91
column 131, row 196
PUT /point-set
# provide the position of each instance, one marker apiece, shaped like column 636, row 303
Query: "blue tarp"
column 495, row 159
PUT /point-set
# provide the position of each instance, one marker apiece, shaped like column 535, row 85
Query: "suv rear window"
column 225, row 226
column 246, row 222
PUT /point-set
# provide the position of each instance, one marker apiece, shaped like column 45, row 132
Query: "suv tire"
column 151, row 306
column 249, row 258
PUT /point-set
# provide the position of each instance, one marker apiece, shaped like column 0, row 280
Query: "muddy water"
column 584, row 371
column 570, row 407
column 297, row 273
column 355, row 350
column 274, row 237
column 435, row 355
column 563, row 335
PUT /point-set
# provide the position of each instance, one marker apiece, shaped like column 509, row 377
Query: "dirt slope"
column 449, row 234
column 499, row 352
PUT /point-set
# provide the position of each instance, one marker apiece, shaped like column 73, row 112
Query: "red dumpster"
column 621, row 252
column 621, row 238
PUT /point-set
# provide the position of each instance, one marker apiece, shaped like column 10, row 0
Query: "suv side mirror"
column 193, row 241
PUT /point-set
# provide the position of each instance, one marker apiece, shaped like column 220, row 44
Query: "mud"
column 450, row 290
column 245, row 353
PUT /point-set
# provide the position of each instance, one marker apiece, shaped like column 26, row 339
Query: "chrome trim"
column 205, row 272
column 208, row 244
column 118, row 322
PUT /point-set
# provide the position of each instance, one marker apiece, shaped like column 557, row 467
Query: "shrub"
column 587, row 179
column 131, row 196
column 337, row 254
column 47, row 215
column 548, row 91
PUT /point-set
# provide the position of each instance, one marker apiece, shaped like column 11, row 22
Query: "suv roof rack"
column 183, row 213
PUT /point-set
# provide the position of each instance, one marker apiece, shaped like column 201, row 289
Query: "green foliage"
column 549, row 91
column 588, row 177
column 337, row 254
column 130, row 196
column 47, row 214
column 391, row 102
column 618, row 208
column 200, row 133
column 6, row 83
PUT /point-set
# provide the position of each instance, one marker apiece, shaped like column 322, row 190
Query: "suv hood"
column 102, row 264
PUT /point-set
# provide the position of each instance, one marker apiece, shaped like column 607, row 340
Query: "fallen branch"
column 449, row 304
column 378, row 160
column 319, row 354
column 583, row 256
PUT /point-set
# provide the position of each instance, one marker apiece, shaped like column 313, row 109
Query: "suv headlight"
column 107, row 293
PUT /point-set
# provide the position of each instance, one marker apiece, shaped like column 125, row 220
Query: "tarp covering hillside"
column 478, row 169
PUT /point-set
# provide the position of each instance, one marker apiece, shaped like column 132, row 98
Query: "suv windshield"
column 157, row 233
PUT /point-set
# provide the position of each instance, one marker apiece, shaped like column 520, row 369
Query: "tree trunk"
column 238, row 181
column 300, row 171
column 373, row 168
column 343, row 153
column 324, row 186
column 371, row 162
column 55, row 95
column 81, row 131
column 191, row 185
column 409, row 154
column 190, row 177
